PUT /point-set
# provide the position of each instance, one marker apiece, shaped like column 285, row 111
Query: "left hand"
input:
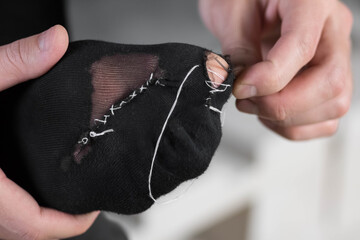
column 20, row 215
column 292, row 58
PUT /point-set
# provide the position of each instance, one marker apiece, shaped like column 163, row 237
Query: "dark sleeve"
column 22, row 18
column 19, row 19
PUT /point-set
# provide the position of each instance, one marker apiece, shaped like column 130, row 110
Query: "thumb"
column 31, row 57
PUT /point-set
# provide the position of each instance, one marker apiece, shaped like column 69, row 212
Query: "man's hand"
column 292, row 58
column 20, row 215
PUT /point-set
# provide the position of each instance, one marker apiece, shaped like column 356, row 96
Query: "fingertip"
column 88, row 218
column 85, row 221
column 246, row 106
column 261, row 79
column 61, row 38
column 54, row 43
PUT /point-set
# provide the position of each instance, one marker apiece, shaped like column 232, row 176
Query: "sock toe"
column 88, row 130
column 217, row 69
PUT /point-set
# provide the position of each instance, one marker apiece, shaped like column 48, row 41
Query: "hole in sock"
column 217, row 69
column 77, row 173
column 115, row 77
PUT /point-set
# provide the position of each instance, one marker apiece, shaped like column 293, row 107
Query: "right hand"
column 292, row 58
column 20, row 215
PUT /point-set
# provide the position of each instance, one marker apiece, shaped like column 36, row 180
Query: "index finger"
column 302, row 24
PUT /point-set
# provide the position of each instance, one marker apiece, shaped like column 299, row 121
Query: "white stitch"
column 217, row 74
column 84, row 140
column 215, row 109
column 159, row 83
column 112, row 109
column 142, row 88
column 148, row 81
column 117, row 108
column 94, row 134
column 223, row 115
column 133, row 95
column 163, row 129
column 215, row 86
column 103, row 121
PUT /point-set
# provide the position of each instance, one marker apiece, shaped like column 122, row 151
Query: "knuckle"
column 280, row 113
column 13, row 61
column 273, row 107
column 342, row 107
column 335, row 81
column 347, row 15
column 274, row 82
column 306, row 46
column 331, row 128
column 30, row 235
column 293, row 134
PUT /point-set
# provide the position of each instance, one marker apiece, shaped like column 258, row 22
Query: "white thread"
column 117, row 108
column 179, row 195
column 84, row 140
column 215, row 86
column 223, row 115
column 103, row 121
column 142, row 88
column 163, row 129
column 133, row 95
column 215, row 109
column 159, row 83
column 94, row 134
column 217, row 74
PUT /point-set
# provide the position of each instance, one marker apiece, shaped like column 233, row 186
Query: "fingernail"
column 244, row 91
column 247, row 106
column 44, row 40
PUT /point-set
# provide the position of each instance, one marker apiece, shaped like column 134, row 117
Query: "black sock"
column 87, row 130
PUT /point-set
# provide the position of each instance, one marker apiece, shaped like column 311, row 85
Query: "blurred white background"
column 259, row 186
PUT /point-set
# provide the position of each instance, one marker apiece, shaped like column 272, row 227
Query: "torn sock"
column 112, row 126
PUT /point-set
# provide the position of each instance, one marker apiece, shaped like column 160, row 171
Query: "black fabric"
column 48, row 118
